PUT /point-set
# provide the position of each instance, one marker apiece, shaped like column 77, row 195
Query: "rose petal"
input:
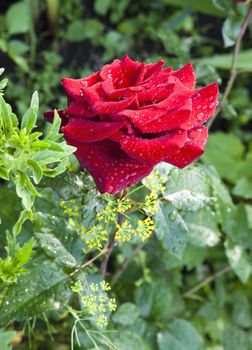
column 111, row 168
column 103, row 107
column 153, row 151
column 153, row 68
column 186, row 76
column 204, row 102
column 89, row 131
column 73, row 86
column 155, row 94
column 122, row 73
column 80, row 110
column 170, row 120
column 178, row 96
column 193, row 148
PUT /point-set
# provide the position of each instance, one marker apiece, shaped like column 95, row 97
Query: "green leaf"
column 239, row 260
column 181, row 336
column 204, row 6
column 227, row 156
column 230, row 30
column 243, row 188
column 44, row 288
column 55, row 249
column 17, row 18
column 5, row 117
column 53, row 132
column 235, row 338
column 102, row 6
column 29, row 120
column 241, row 314
column 24, row 215
column 127, row 339
column 223, row 61
column 79, row 30
column 126, row 314
column 5, row 339
column 36, row 170
column 170, row 228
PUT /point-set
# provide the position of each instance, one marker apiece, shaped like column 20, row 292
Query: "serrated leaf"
column 186, row 200
column 55, row 249
column 44, row 288
column 170, row 228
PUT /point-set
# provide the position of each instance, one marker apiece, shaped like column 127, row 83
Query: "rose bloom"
column 129, row 116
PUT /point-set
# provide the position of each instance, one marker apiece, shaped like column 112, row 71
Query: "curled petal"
column 153, row 151
column 186, row 76
column 204, row 102
column 170, row 120
column 193, row 148
column 111, row 168
column 73, row 86
column 90, row 131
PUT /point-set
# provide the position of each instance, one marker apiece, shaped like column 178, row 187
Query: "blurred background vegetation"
column 42, row 41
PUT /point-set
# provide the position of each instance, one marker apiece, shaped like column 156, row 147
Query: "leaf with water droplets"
column 170, row 228
column 44, row 288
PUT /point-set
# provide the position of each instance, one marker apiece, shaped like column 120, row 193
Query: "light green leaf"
column 181, row 336
column 44, row 288
column 225, row 152
column 5, row 339
column 53, row 132
column 29, row 120
column 126, row 314
column 102, row 6
column 243, row 188
column 234, row 339
column 170, row 228
column 223, row 61
column 17, row 18
column 230, row 30
column 36, row 170
column 240, row 262
column 55, row 249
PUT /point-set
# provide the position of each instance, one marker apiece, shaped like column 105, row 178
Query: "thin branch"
column 125, row 264
column 233, row 71
column 206, row 280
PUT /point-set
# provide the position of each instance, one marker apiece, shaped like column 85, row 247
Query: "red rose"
column 130, row 116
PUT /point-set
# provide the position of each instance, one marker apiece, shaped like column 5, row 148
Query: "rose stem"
column 233, row 71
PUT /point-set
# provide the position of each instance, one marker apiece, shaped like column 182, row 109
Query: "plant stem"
column 206, row 280
column 125, row 264
column 233, row 71
column 89, row 262
column 110, row 246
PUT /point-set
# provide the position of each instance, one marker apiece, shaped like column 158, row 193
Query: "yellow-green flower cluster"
column 96, row 303
column 96, row 237
column 112, row 208
column 156, row 184
column 72, row 210
column 145, row 228
column 124, row 232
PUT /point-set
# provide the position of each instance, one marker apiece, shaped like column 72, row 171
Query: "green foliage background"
column 189, row 285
